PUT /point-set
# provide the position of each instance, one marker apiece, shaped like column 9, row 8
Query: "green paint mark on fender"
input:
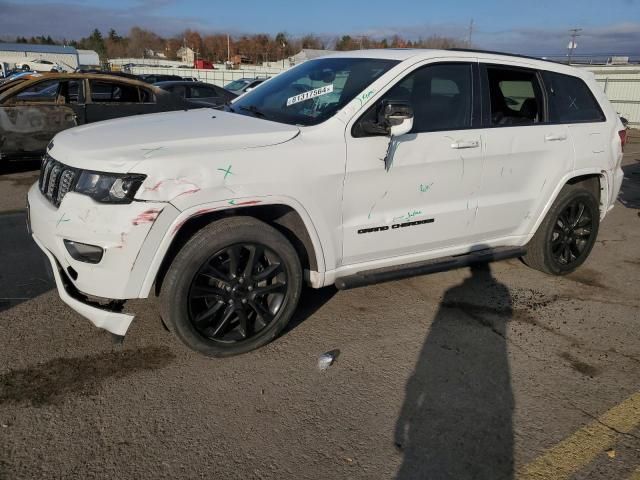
column 227, row 171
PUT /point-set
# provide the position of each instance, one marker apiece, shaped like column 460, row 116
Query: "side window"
column 109, row 92
column 440, row 95
column 202, row 92
column 46, row 91
column 515, row 97
column 571, row 100
column 70, row 91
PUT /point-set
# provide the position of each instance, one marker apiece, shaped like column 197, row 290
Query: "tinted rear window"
column 570, row 100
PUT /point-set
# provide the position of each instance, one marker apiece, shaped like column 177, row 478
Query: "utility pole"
column 470, row 33
column 228, row 50
column 575, row 33
column 283, row 52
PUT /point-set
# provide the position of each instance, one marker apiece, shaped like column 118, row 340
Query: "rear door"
column 526, row 156
column 112, row 99
column 571, row 103
column 31, row 117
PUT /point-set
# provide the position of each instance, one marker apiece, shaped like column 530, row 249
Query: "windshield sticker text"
column 310, row 94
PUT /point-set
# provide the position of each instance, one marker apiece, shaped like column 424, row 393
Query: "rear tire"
column 567, row 234
column 232, row 287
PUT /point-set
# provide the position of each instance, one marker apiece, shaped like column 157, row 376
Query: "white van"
column 351, row 169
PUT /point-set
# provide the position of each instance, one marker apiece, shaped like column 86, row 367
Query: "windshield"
column 313, row 91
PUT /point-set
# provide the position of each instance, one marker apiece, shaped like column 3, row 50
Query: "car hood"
column 120, row 145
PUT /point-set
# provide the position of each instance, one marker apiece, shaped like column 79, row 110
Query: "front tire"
column 567, row 234
column 232, row 288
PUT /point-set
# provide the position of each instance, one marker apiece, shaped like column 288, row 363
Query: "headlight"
column 108, row 187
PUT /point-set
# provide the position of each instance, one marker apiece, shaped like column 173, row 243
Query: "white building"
column 186, row 55
column 13, row 53
column 621, row 83
column 88, row 59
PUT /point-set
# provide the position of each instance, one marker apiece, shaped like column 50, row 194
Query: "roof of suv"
column 418, row 54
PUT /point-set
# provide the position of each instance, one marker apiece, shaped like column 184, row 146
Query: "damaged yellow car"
column 33, row 110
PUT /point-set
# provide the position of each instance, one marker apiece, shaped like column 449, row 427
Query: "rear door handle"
column 555, row 137
column 466, row 144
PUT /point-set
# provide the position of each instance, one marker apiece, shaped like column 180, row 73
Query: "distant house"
column 186, row 55
column 150, row 53
column 307, row 54
column 13, row 53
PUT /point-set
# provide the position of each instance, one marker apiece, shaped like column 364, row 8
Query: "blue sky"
column 534, row 26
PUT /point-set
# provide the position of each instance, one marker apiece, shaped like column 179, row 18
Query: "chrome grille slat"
column 56, row 180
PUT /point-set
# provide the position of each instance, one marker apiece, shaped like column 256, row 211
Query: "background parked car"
column 199, row 92
column 156, row 77
column 116, row 74
column 33, row 110
column 16, row 75
column 40, row 65
column 243, row 85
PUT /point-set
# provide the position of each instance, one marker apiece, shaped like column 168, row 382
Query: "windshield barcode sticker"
column 310, row 94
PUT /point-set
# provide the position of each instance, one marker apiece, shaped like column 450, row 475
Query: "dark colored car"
column 32, row 111
column 156, row 77
column 115, row 74
column 199, row 92
column 243, row 85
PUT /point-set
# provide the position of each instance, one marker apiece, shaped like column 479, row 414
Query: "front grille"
column 56, row 179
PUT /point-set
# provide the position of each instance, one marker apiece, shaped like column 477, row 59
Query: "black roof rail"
column 492, row 52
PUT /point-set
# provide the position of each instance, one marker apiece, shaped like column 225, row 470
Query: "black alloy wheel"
column 571, row 233
column 237, row 293
column 568, row 232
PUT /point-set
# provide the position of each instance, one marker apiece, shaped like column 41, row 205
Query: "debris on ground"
column 327, row 359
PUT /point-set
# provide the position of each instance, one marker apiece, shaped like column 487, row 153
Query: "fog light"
column 83, row 252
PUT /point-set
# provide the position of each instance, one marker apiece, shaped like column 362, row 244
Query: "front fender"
column 161, row 241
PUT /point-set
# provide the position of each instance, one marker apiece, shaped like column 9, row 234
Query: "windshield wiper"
column 253, row 109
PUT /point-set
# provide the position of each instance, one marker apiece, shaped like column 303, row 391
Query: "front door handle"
column 555, row 137
column 466, row 144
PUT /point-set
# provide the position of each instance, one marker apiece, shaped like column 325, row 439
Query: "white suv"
column 350, row 169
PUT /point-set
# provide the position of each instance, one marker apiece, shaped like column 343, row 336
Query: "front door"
column 426, row 199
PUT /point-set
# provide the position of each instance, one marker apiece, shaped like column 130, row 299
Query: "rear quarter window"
column 571, row 100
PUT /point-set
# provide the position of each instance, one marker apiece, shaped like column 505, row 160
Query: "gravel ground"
column 463, row 374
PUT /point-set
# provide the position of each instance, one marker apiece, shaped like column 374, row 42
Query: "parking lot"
column 496, row 373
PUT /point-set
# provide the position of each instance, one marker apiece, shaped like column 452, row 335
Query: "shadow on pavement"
column 629, row 194
column 25, row 271
column 311, row 301
column 456, row 420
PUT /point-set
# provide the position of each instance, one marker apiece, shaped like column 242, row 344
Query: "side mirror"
column 397, row 117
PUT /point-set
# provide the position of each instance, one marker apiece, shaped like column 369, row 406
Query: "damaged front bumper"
column 128, row 236
column 114, row 322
